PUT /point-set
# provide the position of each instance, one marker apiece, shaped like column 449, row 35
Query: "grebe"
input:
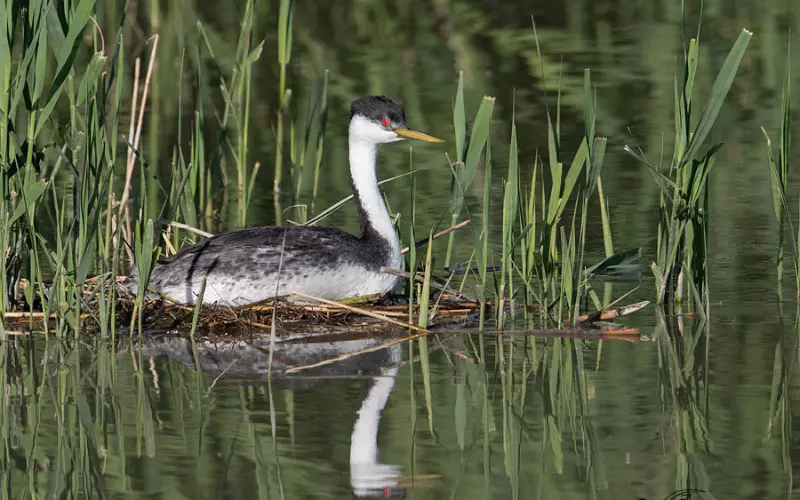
column 242, row 267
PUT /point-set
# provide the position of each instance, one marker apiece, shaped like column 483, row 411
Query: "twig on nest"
column 420, row 278
column 611, row 313
column 437, row 235
column 359, row 310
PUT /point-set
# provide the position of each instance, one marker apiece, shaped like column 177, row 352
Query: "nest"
column 301, row 315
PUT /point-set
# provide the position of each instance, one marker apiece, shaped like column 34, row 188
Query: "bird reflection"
column 369, row 478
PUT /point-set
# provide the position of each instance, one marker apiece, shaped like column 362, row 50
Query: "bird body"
column 250, row 265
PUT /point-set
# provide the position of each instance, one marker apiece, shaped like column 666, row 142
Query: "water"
column 644, row 420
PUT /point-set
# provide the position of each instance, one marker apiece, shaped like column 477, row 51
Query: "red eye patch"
column 385, row 122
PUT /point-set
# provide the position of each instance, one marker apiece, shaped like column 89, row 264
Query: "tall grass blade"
column 460, row 119
column 477, row 141
column 719, row 92
column 456, row 192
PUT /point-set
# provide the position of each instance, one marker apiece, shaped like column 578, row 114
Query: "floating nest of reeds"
column 303, row 315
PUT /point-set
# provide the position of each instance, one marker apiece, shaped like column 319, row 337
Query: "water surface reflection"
column 257, row 362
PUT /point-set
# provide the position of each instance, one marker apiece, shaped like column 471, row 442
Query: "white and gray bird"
column 241, row 267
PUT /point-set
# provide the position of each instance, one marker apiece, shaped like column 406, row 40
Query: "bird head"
column 379, row 120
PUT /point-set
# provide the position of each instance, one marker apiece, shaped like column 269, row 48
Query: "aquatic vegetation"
column 779, row 175
column 682, row 259
column 506, row 312
column 540, row 259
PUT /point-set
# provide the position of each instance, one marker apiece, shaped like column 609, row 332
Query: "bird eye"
column 385, row 122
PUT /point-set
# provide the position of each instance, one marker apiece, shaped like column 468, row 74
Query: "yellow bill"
column 413, row 134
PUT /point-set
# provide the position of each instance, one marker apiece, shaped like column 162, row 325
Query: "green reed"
column 307, row 134
column 81, row 242
column 785, row 361
column 90, row 228
column 552, row 264
column 470, row 155
column 537, row 247
column 779, row 176
column 323, row 120
column 237, row 108
column 552, row 273
column 510, row 208
column 683, row 230
column 284, row 94
column 543, row 246
column 456, row 193
column 411, row 259
column 75, row 439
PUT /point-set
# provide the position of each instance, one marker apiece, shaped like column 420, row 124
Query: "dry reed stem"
column 36, row 315
column 620, row 331
column 255, row 324
column 170, row 249
column 326, row 309
column 359, row 310
column 623, row 334
column 420, row 278
column 137, row 136
column 440, row 234
column 150, row 66
column 180, row 225
column 399, row 311
column 130, row 161
column 612, row 313
column 131, row 132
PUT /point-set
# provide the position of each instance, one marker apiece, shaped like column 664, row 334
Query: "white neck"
column 363, row 160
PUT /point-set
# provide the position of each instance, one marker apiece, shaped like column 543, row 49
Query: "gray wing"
column 292, row 238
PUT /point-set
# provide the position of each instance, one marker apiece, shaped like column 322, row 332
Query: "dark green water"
column 642, row 420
